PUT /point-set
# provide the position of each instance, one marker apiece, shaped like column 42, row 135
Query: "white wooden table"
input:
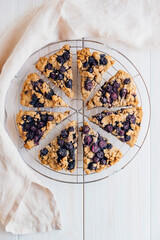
column 126, row 205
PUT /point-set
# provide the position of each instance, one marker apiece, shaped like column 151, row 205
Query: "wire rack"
column 78, row 112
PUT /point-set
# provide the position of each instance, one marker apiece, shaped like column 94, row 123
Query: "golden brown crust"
column 66, row 75
column 52, row 157
column 111, row 155
column 21, row 121
column 129, row 99
column 46, row 97
column 98, row 69
column 120, row 120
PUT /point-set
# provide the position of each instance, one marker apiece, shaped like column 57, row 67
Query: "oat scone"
column 35, row 125
column 91, row 68
column 61, row 153
column 37, row 93
column 99, row 153
column 58, row 68
column 125, row 124
column 119, row 91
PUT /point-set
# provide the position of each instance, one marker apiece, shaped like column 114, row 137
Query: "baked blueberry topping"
column 61, row 142
column 50, row 117
column 102, row 144
column 71, row 129
column 114, row 96
column 72, row 154
column 109, row 128
column 88, row 85
column 109, row 88
column 100, row 154
column 88, row 140
column 35, row 101
column 40, row 81
column 91, row 166
column 92, row 61
column 30, row 135
column 68, row 146
column 62, row 69
column 99, row 117
column 131, row 118
column 126, row 125
column 62, row 152
column 66, row 56
column 44, row 151
column 86, row 129
column 109, row 146
column 48, row 66
column 85, row 64
column 64, row 133
column 33, row 128
column 71, row 165
column 49, row 94
column 94, row 147
column 127, row 80
column 116, row 84
column 90, row 69
column 60, row 59
column 103, row 161
column 53, row 75
column 127, row 138
column 103, row 100
column 69, row 83
column 103, row 59
column 123, row 92
column 121, row 132
column 95, row 159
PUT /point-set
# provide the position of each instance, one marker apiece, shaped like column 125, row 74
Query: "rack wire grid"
column 78, row 111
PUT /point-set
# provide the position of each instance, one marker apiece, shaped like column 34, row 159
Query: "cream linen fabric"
column 25, row 204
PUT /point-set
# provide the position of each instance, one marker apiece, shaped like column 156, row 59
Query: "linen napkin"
column 25, row 204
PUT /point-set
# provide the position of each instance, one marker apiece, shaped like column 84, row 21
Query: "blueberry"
column 109, row 128
column 88, row 140
column 48, row 96
column 95, row 159
column 116, row 84
column 91, row 166
column 60, row 59
column 123, row 92
column 44, row 117
column 50, row 117
column 68, row 146
column 71, row 129
column 109, row 146
column 40, row 124
column 103, row 100
column 30, row 135
column 69, row 83
column 122, row 139
column 40, row 81
column 62, row 152
column 107, row 113
column 109, row 88
column 103, row 59
column 33, row 128
column 64, row 133
column 90, row 69
column 102, row 144
column 100, row 154
column 127, row 80
column 131, row 118
column 60, row 142
column 44, row 152
column 92, row 61
column 85, row 64
column 66, row 56
column 39, row 132
column 26, row 127
column 36, row 139
column 86, row 129
column 71, row 165
column 126, row 125
column 99, row 117
column 60, row 76
column 94, row 147
column 72, row 153
column 103, row 162
column 88, row 85
column 127, row 138
column 48, row 66
column 114, row 96
column 53, row 75
column 62, row 69
column 121, row 132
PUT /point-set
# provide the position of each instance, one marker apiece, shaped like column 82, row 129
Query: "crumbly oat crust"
column 37, row 93
column 91, row 68
column 61, row 153
column 99, row 154
column 35, row 125
column 124, row 124
column 58, row 68
column 117, row 92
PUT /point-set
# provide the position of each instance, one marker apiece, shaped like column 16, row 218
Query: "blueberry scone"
column 61, row 153
column 58, row 68
column 35, row 125
column 91, row 68
column 37, row 93
column 99, row 154
column 119, row 91
column 124, row 124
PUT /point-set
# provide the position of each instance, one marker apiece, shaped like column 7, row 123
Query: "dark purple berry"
column 71, row 165
column 109, row 128
column 95, row 159
column 109, row 88
column 123, row 92
column 91, row 166
column 94, row 147
column 85, row 64
column 44, row 117
column 60, row 76
column 72, row 153
column 127, row 81
column 103, row 59
column 60, row 59
column 33, row 128
column 102, row 144
column 100, row 154
column 121, row 132
column 69, row 83
column 48, row 66
column 109, row 146
column 103, row 100
column 68, row 146
column 86, row 129
column 62, row 69
column 62, row 152
column 26, row 127
column 90, row 69
column 52, row 75
column 88, row 85
column 107, row 113
column 60, row 142
column 92, row 61
column 122, row 139
column 36, row 139
column 126, row 125
column 99, row 117
column 127, row 138
column 39, row 132
column 66, row 56
column 116, row 84
column 30, row 135
column 88, row 140
column 50, row 117
column 114, row 96
column 40, row 81
column 71, row 129
column 103, row 161
column 131, row 118
column 64, row 133
column 44, row 152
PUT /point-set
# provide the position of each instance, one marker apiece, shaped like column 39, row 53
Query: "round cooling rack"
column 78, row 112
